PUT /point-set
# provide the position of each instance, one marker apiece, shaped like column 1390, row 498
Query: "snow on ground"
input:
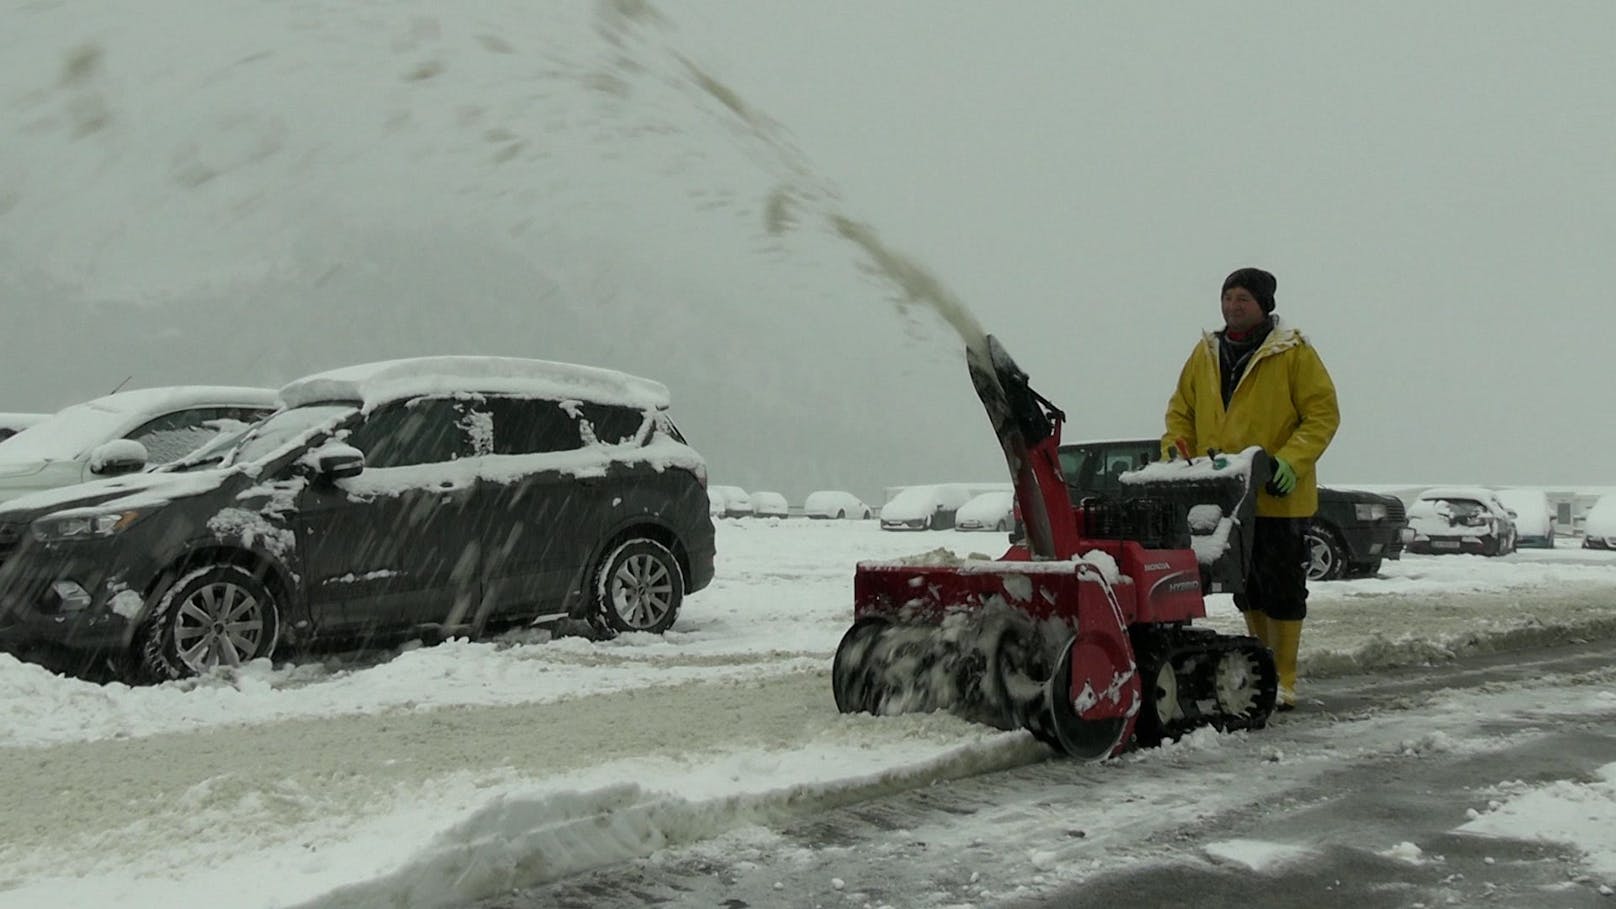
column 447, row 772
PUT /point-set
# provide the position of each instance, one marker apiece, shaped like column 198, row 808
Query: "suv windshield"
column 286, row 427
column 210, row 455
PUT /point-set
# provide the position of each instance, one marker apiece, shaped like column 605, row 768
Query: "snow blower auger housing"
column 1084, row 640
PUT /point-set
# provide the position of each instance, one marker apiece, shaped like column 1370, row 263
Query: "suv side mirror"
column 119, row 456
column 337, row 461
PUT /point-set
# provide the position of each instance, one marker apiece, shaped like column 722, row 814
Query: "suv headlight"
column 1368, row 511
column 83, row 526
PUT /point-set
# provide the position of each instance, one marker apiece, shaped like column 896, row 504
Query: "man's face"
column 1241, row 311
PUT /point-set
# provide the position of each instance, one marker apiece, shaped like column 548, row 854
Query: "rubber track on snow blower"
column 1217, row 680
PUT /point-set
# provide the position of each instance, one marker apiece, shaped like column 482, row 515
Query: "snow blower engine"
column 1082, row 631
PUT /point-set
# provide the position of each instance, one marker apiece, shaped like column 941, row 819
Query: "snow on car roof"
column 74, row 430
column 375, row 383
column 152, row 400
column 1479, row 493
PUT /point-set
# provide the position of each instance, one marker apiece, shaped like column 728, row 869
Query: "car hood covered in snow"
column 146, row 490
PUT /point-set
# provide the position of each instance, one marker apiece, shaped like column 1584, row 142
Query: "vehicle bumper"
column 1370, row 541
column 701, row 567
column 1449, row 545
column 64, row 601
column 916, row 524
column 1599, row 542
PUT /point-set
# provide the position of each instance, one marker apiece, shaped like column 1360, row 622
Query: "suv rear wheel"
column 639, row 587
column 220, row 615
column 1325, row 560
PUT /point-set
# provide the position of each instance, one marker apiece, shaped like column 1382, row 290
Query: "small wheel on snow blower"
column 1161, row 707
column 1086, row 740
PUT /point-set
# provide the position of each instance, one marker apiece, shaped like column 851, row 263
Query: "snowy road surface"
column 1376, row 801
column 495, row 771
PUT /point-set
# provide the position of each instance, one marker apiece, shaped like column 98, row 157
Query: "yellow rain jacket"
column 1285, row 402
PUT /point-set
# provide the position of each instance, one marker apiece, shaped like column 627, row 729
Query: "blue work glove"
column 1284, row 476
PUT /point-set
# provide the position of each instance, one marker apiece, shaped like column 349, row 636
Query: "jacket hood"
column 1283, row 337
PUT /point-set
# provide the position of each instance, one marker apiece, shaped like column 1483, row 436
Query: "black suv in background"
column 450, row 496
column 1350, row 536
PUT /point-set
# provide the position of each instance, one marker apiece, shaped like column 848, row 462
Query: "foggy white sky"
column 1432, row 183
column 247, row 192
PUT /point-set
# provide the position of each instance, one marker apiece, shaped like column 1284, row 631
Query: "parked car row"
column 436, row 496
column 735, row 502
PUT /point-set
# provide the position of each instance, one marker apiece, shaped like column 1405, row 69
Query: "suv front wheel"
column 1325, row 560
column 221, row 615
column 639, row 587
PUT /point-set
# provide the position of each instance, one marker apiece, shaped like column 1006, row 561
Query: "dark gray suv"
column 447, row 496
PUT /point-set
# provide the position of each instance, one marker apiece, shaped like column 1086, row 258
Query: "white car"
column 924, row 507
column 13, row 423
column 728, row 502
column 769, row 505
column 835, row 504
column 1599, row 528
column 1460, row 519
column 124, row 432
column 988, row 511
column 1534, row 518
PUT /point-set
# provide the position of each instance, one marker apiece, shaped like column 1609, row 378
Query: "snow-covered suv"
column 446, row 496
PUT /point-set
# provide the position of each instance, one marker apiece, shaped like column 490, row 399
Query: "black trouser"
column 1277, row 583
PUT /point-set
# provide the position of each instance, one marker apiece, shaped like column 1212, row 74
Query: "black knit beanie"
column 1259, row 282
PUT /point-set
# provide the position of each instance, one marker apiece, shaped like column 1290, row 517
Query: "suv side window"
column 611, row 424
column 1073, row 461
column 418, row 431
column 174, row 435
column 531, row 426
column 1117, row 459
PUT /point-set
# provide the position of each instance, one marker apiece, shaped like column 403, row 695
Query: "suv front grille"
column 1395, row 510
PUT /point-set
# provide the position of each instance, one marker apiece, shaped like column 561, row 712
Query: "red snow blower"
column 1081, row 632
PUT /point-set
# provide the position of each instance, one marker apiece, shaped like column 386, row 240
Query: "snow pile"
column 1581, row 815
column 1255, row 855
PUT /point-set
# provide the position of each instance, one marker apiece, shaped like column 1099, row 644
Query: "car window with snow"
column 529, row 426
column 174, row 435
column 610, row 424
column 419, row 431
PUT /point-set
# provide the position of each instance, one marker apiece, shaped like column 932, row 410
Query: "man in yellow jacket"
column 1259, row 382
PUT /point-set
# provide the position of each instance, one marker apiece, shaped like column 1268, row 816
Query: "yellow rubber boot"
column 1257, row 625
column 1285, row 639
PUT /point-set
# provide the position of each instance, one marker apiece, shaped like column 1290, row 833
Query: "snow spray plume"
column 917, row 285
column 623, row 22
